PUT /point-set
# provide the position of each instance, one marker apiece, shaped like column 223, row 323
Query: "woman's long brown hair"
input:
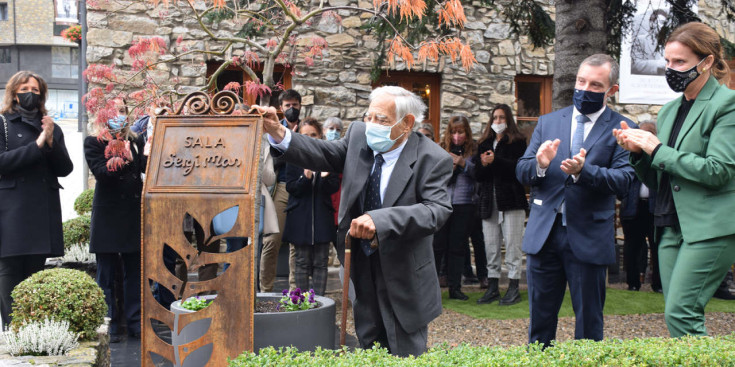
column 459, row 122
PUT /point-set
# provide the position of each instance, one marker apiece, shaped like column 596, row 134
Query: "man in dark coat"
column 394, row 196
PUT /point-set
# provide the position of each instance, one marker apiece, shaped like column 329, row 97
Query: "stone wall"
column 339, row 84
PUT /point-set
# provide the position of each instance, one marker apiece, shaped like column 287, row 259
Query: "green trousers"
column 690, row 274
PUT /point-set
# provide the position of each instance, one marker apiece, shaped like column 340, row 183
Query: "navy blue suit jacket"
column 590, row 202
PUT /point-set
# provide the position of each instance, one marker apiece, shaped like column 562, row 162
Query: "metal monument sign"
column 203, row 161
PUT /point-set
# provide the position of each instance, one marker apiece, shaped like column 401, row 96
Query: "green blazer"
column 701, row 164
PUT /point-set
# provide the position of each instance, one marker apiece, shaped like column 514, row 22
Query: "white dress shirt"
column 390, row 158
column 541, row 172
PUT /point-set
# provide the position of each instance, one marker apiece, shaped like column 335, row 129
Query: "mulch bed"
column 454, row 328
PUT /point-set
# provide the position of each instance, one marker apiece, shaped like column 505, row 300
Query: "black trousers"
column 639, row 237
column 478, row 245
column 106, row 268
column 14, row 270
column 452, row 241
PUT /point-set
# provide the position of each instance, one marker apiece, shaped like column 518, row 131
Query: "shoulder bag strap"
column 5, row 124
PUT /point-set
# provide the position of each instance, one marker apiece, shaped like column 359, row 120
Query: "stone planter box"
column 305, row 330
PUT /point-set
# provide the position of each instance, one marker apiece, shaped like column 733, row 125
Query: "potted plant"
column 299, row 319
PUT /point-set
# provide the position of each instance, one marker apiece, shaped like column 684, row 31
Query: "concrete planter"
column 305, row 330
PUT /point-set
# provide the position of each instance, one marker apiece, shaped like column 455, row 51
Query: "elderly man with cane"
column 394, row 198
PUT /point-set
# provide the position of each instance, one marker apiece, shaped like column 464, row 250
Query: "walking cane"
column 345, row 289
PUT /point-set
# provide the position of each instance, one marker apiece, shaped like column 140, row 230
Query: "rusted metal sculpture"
column 203, row 161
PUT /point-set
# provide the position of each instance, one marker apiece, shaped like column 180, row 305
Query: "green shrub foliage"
column 83, row 202
column 60, row 294
column 76, row 231
column 688, row 351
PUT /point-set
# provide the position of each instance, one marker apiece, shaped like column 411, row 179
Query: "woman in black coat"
column 115, row 228
column 310, row 217
column 503, row 201
column 32, row 156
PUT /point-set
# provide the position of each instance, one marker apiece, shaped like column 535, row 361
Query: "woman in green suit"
column 692, row 165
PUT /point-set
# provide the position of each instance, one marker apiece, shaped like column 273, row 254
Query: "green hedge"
column 76, row 231
column 83, row 202
column 689, row 351
column 60, row 294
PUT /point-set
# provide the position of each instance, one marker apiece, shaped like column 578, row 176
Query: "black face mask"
column 679, row 80
column 29, row 100
column 292, row 114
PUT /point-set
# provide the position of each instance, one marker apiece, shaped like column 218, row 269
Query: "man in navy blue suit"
column 575, row 169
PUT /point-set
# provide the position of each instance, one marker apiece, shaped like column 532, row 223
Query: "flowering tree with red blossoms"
column 269, row 38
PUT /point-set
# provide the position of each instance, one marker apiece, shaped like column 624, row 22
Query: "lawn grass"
column 617, row 302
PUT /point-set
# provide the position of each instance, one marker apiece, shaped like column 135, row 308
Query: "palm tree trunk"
column 580, row 32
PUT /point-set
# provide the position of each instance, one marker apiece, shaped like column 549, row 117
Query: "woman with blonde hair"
column 691, row 165
column 32, row 157
column 115, row 157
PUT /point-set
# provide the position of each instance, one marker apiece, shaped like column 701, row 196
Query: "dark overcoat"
column 30, row 209
column 500, row 176
column 117, row 195
column 309, row 213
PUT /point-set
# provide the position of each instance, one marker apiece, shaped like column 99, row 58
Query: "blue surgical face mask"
column 378, row 136
column 588, row 102
column 116, row 123
column 333, row 135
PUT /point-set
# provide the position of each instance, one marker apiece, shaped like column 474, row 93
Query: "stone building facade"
column 339, row 83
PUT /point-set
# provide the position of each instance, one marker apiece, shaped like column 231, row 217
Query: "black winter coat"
column 117, row 196
column 501, row 175
column 309, row 210
column 30, row 209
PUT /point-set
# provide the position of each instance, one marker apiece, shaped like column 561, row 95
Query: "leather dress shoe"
column 457, row 294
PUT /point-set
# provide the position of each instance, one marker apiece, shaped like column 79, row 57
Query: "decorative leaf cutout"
column 193, row 231
column 161, row 330
column 159, row 360
column 225, row 220
column 170, row 256
column 194, row 330
column 162, row 294
column 202, row 354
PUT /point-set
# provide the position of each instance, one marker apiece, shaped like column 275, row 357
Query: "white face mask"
column 499, row 128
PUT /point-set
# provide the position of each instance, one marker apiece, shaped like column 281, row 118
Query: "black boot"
column 512, row 296
column 723, row 292
column 456, row 293
column 491, row 294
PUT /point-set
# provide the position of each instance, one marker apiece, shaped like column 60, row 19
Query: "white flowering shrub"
column 78, row 253
column 49, row 337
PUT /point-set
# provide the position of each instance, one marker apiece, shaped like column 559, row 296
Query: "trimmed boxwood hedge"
column 83, row 202
column 60, row 294
column 77, row 231
column 688, row 351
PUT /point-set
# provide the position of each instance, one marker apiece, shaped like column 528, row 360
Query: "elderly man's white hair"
column 406, row 102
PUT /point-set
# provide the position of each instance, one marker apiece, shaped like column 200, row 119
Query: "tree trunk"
column 580, row 32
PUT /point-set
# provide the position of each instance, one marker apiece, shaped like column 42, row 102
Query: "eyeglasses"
column 376, row 118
